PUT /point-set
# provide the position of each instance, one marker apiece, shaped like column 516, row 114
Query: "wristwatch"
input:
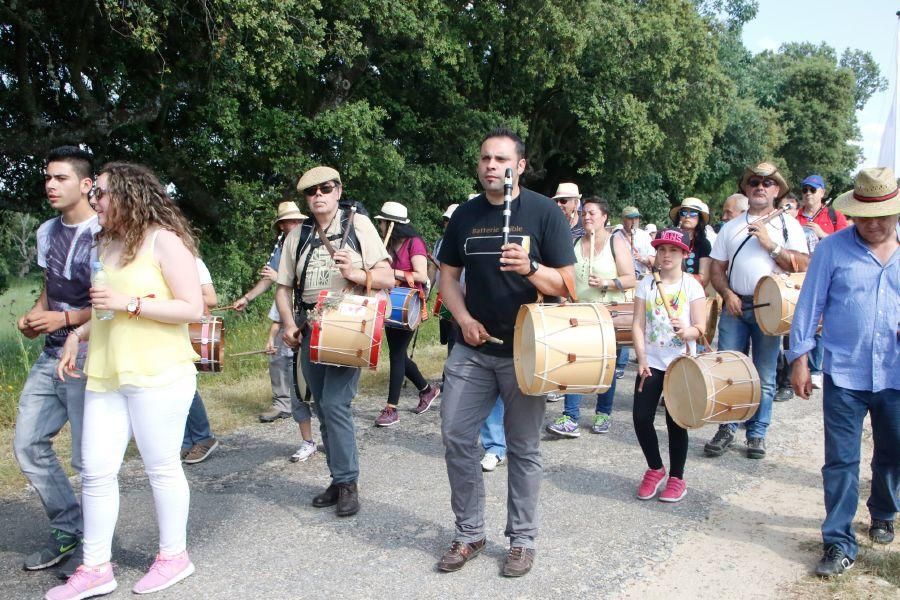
column 776, row 251
column 535, row 265
column 132, row 306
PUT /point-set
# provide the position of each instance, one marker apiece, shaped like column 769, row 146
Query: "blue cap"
column 815, row 181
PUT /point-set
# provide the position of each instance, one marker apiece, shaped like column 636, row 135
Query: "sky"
column 869, row 25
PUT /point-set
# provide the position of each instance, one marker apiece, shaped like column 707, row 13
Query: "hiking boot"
column 519, row 561
column 273, row 414
column 756, row 448
column 327, row 498
column 554, row 397
column 60, row 545
column 387, row 417
column 201, row 451
column 565, row 426
column 490, row 461
column 164, row 572
column 650, row 484
column 817, row 380
column 306, row 450
column 881, row 532
column 719, row 444
column 675, row 490
column 348, row 500
column 601, row 423
column 834, row 562
column 426, row 398
column 86, row 582
column 459, row 554
column 783, row 394
column 75, row 560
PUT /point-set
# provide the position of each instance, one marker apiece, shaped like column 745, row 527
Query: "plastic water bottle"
column 100, row 279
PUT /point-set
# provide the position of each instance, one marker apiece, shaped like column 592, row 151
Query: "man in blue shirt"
column 853, row 285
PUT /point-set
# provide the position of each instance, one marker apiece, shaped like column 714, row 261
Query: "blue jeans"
column 493, row 438
column 572, row 403
column 45, row 405
column 196, row 429
column 816, row 356
column 734, row 333
column 844, row 411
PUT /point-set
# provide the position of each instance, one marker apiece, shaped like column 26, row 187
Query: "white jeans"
column 156, row 418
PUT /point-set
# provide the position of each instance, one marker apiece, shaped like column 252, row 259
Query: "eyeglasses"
column 808, row 189
column 563, row 200
column 97, row 193
column 684, row 212
column 766, row 183
column 325, row 188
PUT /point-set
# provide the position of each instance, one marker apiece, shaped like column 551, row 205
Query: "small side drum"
column 622, row 314
column 405, row 310
column 774, row 300
column 208, row 340
column 713, row 310
column 347, row 330
column 564, row 347
column 718, row 387
column 441, row 311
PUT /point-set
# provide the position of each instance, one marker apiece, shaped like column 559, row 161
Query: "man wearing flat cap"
column 745, row 251
column 853, row 288
column 642, row 252
column 309, row 265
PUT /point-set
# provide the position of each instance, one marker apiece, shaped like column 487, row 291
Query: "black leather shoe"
column 834, row 562
column 756, row 448
column 348, row 500
column 881, row 532
column 327, row 498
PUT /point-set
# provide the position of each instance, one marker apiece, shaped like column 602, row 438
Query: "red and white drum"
column 347, row 330
column 208, row 340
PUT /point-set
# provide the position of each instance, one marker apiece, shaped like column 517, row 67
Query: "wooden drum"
column 208, row 340
column 622, row 314
column 441, row 311
column 347, row 330
column 774, row 300
column 564, row 347
column 717, row 387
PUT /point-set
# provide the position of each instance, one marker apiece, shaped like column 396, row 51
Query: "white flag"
column 887, row 157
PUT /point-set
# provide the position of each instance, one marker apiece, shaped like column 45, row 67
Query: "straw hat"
column 393, row 211
column 764, row 170
column 694, row 204
column 874, row 194
column 287, row 211
column 450, row 210
column 317, row 175
column 567, row 190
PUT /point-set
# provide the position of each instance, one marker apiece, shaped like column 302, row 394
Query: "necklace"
column 674, row 300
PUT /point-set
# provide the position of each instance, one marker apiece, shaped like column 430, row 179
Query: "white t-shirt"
column 753, row 263
column 281, row 349
column 205, row 277
column 660, row 342
column 641, row 247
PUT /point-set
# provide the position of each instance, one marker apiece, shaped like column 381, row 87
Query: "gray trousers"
column 333, row 389
column 284, row 397
column 472, row 382
column 45, row 405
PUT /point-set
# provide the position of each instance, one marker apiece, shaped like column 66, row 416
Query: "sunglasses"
column 97, row 193
column 689, row 213
column 766, row 183
column 563, row 200
column 808, row 190
column 325, row 188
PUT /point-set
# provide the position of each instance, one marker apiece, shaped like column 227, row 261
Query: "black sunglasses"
column 684, row 212
column 806, row 189
column 766, row 183
column 563, row 200
column 325, row 188
column 97, row 193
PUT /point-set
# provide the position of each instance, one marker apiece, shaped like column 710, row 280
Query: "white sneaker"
column 555, row 397
column 306, row 450
column 490, row 461
column 817, row 381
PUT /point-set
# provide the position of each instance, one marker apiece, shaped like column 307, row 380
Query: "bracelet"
column 66, row 315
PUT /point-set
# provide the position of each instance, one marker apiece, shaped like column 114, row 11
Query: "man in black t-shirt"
column 499, row 279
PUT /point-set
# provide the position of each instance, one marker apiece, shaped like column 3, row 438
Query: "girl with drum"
column 692, row 217
column 668, row 317
column 409, row 258
column 140, row 372
column 604, row 269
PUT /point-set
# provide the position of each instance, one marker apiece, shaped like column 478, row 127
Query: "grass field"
column 233, row 397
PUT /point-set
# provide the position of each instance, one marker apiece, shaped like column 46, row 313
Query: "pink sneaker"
column 86, row 582
column 653, row 480
column 164, row 572
column 675, row 490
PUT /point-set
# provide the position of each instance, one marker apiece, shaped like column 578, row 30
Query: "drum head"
column 685, row 392
column 768, row 317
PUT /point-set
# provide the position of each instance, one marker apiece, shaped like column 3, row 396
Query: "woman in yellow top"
column 603, row 279
column 140, row 373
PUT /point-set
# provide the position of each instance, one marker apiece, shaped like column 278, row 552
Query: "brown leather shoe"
column 459, row 554
column 519, row 561
column 348, row 500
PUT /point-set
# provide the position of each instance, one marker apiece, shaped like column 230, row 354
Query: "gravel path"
column 253, row 534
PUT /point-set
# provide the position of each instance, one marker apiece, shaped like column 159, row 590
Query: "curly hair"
column 138, row 202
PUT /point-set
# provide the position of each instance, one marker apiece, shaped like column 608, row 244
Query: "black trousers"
column 644, row 412
column 401, row 365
